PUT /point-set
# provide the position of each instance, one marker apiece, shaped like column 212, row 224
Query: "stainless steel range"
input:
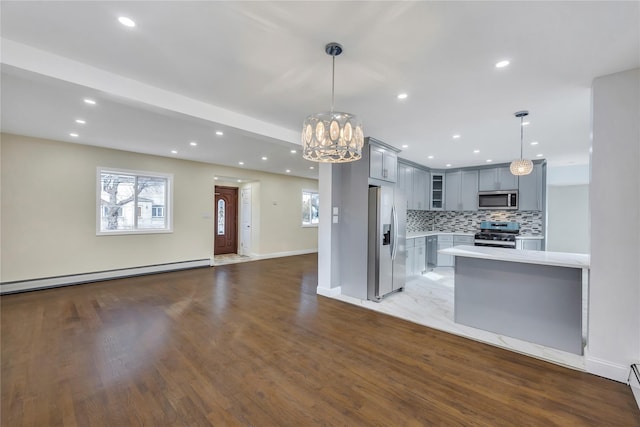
column 497, row 234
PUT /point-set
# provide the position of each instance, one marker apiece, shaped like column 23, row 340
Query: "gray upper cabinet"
column 461, row 191
column 383, row 163
column 530, row 190
column 405, row 182
column 420, row 189
column 452, row 195
column 437, row 191
column 497, row 179
column 414, row 184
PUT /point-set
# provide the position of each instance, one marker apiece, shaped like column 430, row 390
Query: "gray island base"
column 525, row 295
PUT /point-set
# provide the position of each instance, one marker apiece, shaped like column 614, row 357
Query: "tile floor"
column 230, row 259
column 428, row 300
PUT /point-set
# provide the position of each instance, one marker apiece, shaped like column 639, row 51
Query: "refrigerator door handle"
column 394, row 243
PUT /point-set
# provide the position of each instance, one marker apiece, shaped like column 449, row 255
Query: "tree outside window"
column 310, row 208
column 131, row 202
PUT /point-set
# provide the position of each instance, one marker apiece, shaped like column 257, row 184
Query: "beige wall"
column 48, row 218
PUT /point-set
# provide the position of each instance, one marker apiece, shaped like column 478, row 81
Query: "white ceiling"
column 255, row 69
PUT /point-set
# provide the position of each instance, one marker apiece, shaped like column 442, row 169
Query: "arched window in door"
column 221, row 210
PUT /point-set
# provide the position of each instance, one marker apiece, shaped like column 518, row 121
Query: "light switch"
column 335, row 219
column 335, row 210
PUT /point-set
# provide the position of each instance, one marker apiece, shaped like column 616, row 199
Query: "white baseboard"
column 329, row 292
column 284, row 254
column 634, row 382
column 606, row 369
column 77, row 279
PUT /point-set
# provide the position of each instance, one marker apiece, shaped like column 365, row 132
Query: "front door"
column 226, row 220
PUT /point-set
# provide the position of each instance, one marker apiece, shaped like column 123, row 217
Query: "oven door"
column 495, row 243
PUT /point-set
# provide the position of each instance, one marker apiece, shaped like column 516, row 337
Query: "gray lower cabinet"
column 529, row 244
column 420, row 260
column 463, row 240
column 411, row 256
column 432, row 251
column 445, row 241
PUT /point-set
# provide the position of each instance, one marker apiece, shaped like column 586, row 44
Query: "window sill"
column 129, row 232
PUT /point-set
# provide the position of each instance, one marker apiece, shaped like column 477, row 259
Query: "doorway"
column 226, row 220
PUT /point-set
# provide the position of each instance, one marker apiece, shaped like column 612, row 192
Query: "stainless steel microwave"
column 499, row 200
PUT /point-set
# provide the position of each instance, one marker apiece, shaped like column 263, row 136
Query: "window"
column 132, row 202
column 310, row 208
column 221, row 211
column 157, row 211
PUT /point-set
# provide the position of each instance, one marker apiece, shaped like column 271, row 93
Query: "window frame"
column 309, row 225
column 168, row 207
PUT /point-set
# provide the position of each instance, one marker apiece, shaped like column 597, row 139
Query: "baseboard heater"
column 634, row 382
column 77, row 279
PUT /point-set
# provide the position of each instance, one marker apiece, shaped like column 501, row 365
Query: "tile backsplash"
column 469, row 221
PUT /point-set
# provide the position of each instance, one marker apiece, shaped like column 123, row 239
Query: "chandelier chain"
column 333, row 82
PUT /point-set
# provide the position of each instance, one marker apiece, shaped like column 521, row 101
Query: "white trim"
column 605, row 368
column 168, row 208
column 329, row 292
column 284, row 254
column 76, row 279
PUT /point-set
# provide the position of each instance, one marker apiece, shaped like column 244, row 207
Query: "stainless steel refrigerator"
column 387, row 242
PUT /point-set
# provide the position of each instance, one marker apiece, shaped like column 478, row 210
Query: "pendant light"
column 332, row 137
column 521, row 166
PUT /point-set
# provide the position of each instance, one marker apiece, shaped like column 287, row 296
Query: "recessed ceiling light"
column 489, row 160
column 127, row 22
column 75, row 135
column 429, row 157
column 448, row 165
column 264, row 157
column 80, row 121
column 534, row 143
column 174, row 152
column 525, row 123
column 215, row 178
column 193, row 143
column 293, row 151
column 402, row 96
column 311, row 167
column 502, row 64
column 89, row 101
column 219, row 133
column 539, row 155
column 405, row 146
column 239, row 180
column 456, row 136
column 241, row 163
column 476, row 151
column 288, row 170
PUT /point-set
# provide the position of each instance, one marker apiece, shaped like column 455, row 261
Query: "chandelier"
column 521, row 166
column 332, row 137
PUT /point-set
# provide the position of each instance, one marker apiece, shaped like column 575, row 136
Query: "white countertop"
column 414, row 235
column 559, row 259
column 418, row 234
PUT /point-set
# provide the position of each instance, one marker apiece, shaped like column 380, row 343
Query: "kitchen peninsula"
column 535, row 296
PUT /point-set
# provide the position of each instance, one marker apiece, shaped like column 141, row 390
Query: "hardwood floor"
column 251, row 344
